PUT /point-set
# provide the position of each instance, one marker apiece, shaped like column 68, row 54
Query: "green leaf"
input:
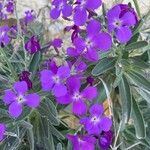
column 144, row 93
column 49, row 143
column 103, row 66
column 35, row 64
column 138, row 120
column 126, row 98
column 59, row 146
column 136, row 45
column 139, row 80
column 56, row 133
column 139, row 63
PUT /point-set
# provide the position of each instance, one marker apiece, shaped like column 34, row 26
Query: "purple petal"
column 92, row 55
column 129, row 19
column 103, row 41
column 63, row 72
column 72, row 52
column 75, row 142
column 67, row 10
column 33, row 100
column 93, row 4
column 80, row 17
column 81, row 66
column 93, row 24
column 105, row 124
column 92, row 128
column 113, row 13
column 15, row 109
column 9, row 97
column 73, row 84
column 21, row 87
column 2, row 131
column 123, row 34
column 96, row 109
column 54, row 13
column 89, row 93
column 59, row 90
column 79, row 107
column 46, row 80
column 79, row 44
column 64, row 99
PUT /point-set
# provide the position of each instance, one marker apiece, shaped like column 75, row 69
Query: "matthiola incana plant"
column 90, row 91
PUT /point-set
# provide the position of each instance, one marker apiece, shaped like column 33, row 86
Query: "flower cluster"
column 6, row 8
column 68, row 82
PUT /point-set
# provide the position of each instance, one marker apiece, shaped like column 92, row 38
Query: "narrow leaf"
column 104, row 65
column 138, row 120
column 136, row 45
column 126, row 98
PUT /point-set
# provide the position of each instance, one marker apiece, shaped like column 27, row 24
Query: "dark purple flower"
column 96, row 122
column 80, row 14
column 29, row 16
column 10, row 7
column 105, row 140
column 17, row 97
column 24, row 76
column 76, row 96
column 56, row 43
column 85, row 142
column 4, row 38
column 95, row 40
column 55, row 81
column 60, row 6
column 2, row 131
column 120, row 20
column 33, row 45
column 90, row 80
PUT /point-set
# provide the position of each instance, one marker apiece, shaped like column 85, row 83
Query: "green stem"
column 137, row 7
column 14, row 74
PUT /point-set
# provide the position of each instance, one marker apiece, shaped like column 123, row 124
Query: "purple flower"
column 4, row 38
column 76, row 96
column 105, row 139
column 24, row 76
column 90, row 80
column 95, row 40
column 96, row 122
column 17, row 97
column 56, row 43
column 120, row 20
column 2, row 131
column 60, row 6
column 32, row 45
column 80, row 14
column 85, row 142
column 10, row 7
column 55, row 81
column 29, row 16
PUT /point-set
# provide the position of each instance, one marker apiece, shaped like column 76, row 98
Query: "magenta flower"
column 96, row 122
column 2, row 131
column 105, row 140
column 95, row 40
column 24, row 76
column 85, row 142
column 120, row 20
column 32, row 45
column 17, row 98
column 80, row 14
column 4, row 38
column 55, row 81
column 76, row 96
column 60, row 6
